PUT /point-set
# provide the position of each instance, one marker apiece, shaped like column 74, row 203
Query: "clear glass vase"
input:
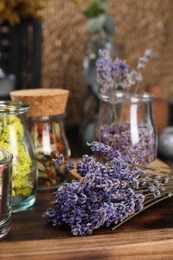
column 49, row 138
column 126, row 124
column 15, row 137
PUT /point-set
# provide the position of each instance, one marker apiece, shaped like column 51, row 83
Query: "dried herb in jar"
column 49, row 139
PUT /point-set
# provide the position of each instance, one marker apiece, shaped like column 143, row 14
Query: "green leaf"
column 109, row 24
column 95, row 8
column 96, row 24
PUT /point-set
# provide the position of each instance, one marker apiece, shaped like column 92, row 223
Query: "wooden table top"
column 149, row 235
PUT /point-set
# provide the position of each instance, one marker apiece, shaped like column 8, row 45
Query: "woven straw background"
column 139, row 24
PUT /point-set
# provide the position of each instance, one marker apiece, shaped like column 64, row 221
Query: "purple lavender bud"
column 103, row 53
column 141, row 63
column 69, row 166
column 148, row 53
column 143, row 60
column 59, row 160
column 114, row 154
column 119, row 67
column 99, row 147
column 133, row 77
column 157, row 194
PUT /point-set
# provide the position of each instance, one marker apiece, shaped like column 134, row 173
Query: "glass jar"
column 50, row 140
column 5, row 192
column 126, row 124
column 15, row 138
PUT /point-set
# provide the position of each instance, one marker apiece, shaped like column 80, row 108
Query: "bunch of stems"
column 165, row 176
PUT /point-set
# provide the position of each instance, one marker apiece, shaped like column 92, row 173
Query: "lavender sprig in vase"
column 125, row 119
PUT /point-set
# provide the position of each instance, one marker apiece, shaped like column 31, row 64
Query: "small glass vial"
column 50, row 140
column 15, row 137
column 46, row 117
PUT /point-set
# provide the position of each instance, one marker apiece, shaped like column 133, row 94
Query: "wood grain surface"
column 149, row 235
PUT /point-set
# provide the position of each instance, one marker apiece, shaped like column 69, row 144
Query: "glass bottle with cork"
column 46, row 117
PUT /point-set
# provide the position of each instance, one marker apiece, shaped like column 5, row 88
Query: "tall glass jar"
column 126, row 124
column 50, row 140
column 15, row 138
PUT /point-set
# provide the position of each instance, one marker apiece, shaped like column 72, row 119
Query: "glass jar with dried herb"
column 46, row 117
column 49, row 138
column 126, row 124
column 15, row 138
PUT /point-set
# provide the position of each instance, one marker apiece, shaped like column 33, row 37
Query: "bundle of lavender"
column 106, row 193
column 117, row 74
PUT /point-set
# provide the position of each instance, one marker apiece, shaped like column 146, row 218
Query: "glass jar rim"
column 120, row 97
column 13, row 107
column 47, row 118
column 5, row 157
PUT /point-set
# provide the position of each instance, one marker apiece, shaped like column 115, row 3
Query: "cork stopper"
column 42, row 101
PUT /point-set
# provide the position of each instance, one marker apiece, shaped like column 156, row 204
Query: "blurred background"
column 54, row 44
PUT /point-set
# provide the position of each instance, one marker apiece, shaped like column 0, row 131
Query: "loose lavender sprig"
column 110, row 192
column 113, row 74
column 148, row 54
column 60, row 160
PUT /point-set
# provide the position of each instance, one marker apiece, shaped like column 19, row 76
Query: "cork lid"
column 42, row 101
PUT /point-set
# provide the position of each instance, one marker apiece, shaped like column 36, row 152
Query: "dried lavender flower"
column 119, row 137
column 109, row 192
column 115, row 74
column 143, row 60
column 59, row 160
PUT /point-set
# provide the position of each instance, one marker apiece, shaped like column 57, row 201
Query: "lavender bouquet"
column 125, row 117
column 107, row 193
column 116, row 74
